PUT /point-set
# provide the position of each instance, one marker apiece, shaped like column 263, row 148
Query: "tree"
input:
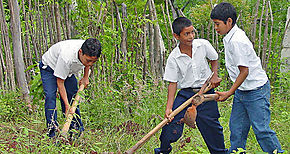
column 285, row 53
column 17, row 49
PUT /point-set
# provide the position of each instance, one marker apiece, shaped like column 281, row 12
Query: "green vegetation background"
column 116, row 115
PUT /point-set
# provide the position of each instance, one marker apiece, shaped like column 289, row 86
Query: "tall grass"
column 117, row 119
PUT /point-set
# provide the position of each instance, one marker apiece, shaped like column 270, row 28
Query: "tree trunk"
column 17, row 48
column 151, row 40
column 118, row 20
column 124, row 33
column 265, row 40
column 3, row 76
column 173, row 40
column 114, row 44
column 67, row 20
column 254, row 27
column 285, row 53
column 174, row 15
column 49, row 24
column 27, row 41
column 57, row 22
column 158, row 45
column 270, row 37
column 260, row 29
column 31, row 30
column 62, row 19
column 53, row 24
column 7, row 49
column 167, row 32
column 45, row 35
column 144, row 48
column 38, row 30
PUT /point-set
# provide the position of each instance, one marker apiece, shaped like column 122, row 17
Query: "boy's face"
column 87, row 60
column 222, row 28
column 186, row 36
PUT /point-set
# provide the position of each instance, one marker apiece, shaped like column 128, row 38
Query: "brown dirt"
column 130, row 127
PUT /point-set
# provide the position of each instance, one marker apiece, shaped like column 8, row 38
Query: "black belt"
column 196, row 89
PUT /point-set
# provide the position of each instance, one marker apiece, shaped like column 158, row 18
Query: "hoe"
column 189, row 117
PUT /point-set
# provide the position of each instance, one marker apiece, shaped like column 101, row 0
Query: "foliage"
column 120, row 107
column 115, row 119
column 11, row 106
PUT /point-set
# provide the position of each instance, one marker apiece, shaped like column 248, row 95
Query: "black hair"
column 92, row 47
column 180, row 23
column 223, row 11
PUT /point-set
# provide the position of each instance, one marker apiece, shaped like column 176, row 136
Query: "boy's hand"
column 68, row 110
column 67, row 107
column 215, row 81
column 223, row 95
column 84, row 81
column 167, row 113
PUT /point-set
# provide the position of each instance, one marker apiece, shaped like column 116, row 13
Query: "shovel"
column 198, row 99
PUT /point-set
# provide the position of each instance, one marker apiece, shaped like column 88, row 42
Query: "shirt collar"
column 195, row 45
column 230, row 34
column 76, row 58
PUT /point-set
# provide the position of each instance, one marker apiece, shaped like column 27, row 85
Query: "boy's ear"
column 80, row 51
column 230, row 21
column 176, row 36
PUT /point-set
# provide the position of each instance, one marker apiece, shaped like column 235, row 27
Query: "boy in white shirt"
column 187, row 69
column 251, row 86
column 58, row 68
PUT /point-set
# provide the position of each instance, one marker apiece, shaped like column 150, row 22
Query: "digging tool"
column 198, row 98
column 73, row 108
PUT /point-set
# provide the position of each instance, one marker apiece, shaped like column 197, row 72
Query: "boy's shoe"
column 51, row 134
column 157, row 151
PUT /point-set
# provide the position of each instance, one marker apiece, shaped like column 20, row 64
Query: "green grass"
column 115, row 120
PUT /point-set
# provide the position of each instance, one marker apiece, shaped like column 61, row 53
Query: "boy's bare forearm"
column 244, row 71
column 214, row 67
column 62, row 90
column 86, row 72
column 171, row 94
column 215, row 81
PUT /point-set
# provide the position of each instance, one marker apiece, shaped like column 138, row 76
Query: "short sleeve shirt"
column 62, row 57
column 190, row 72
column 239, row 51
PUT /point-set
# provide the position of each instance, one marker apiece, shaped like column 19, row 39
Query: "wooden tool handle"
column 164, row 122
column 73, row 108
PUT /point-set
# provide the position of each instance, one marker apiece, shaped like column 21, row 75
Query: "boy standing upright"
column 187, row 69
column 251, row 86
column 58, row 68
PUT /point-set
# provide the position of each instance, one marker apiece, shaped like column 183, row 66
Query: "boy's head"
column 90, row 51
column 183, row 30
column 180, row 23
column 224, row 16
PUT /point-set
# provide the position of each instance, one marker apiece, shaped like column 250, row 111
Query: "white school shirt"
column 62, row 57
column 190, row 72
column 239, row 51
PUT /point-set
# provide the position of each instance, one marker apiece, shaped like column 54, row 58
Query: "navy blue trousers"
column 50, row 90
column 206, row 121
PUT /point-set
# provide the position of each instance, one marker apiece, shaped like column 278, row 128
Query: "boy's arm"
column 63, row 94
column 85, row 79
column 170, row 99
column 240, row 79
column 215, row 81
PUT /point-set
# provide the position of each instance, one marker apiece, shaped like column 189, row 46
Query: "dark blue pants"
column 206, row 120
column 50, row 91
